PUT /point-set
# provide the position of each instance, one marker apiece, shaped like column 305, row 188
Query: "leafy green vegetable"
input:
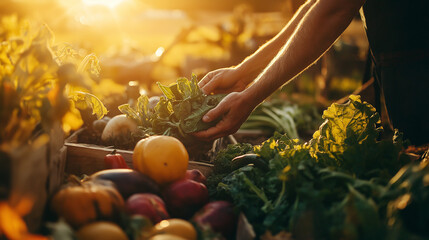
column 284, row 117
column 189, row 104
column 348, row 140
column 345, row 125
column 178, row 113
column 407, row 207
column 331, row 187
column 222, row 164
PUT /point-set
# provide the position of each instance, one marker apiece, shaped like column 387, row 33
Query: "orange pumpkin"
column 85, row 202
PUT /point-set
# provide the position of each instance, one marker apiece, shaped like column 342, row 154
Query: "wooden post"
column 37, row 171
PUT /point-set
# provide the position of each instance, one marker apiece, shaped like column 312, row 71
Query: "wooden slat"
column 89, row 158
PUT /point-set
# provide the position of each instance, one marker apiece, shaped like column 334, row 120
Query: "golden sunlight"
column 107, row 3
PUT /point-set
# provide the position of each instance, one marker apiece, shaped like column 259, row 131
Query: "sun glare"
column 108, row 3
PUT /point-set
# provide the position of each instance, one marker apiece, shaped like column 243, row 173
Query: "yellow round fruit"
column 101, row 231
column 166, row 237
column 177, row 227
column 162, row 158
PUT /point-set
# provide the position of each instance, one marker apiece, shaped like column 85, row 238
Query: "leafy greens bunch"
column 331, row 187
column 178, row 113
column 284, row 117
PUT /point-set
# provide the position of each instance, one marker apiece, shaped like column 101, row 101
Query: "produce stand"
column 73, row 115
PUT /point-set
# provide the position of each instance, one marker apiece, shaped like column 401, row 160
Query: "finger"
column 205, row 79
column 210, row 87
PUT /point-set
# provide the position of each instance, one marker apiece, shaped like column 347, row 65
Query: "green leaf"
column 163, row 108
column 362, row 215
column 192, row 120
column 168, row 90
column 84, row 100
column 129, row 111
column 90, row 63
column 189, row 88
column 185, row 89
column 345, row 125
column 143, row 110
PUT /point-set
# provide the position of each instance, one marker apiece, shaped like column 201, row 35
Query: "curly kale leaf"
column 222, row 164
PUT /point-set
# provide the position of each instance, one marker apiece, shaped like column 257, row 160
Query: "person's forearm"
column 256, row 62
column 318, row 30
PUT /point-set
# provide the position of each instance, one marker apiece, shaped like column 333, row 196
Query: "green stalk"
column 282, row 192
column 267, row 120
column 255, row 125
column 260, row 193
column 274, row 116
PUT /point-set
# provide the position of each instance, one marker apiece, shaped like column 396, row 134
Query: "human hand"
column 233, row 111
column 223, row 80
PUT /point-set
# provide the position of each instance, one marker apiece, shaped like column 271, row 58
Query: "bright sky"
column 107, row 3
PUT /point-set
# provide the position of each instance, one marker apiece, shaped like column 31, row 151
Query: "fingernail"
column 206, row 119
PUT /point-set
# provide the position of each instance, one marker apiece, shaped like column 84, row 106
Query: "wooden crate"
column 88, row 158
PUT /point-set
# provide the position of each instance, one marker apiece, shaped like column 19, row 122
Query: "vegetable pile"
column 159, row 198
column 339, row 185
